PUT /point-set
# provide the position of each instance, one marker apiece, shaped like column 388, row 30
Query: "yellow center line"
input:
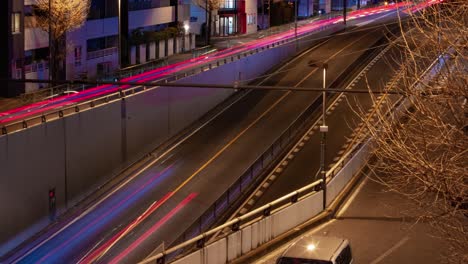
column 231, row 142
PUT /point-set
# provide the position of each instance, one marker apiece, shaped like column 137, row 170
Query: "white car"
column 317, row 250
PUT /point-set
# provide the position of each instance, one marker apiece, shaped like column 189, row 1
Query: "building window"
column 102, row 43
column 251, row 19
column 227, row 4
column 78, row 56
column 103, row 9
column 15, row 22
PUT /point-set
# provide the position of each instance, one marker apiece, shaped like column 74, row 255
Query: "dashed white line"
column 390, row 250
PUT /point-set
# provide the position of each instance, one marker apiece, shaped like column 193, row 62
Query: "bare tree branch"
column 424, row 149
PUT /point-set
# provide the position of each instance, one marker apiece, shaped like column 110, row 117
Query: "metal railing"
column 136, row 69
column 203, row 51
column 235, row 224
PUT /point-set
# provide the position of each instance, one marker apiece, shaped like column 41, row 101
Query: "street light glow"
column 311, row 247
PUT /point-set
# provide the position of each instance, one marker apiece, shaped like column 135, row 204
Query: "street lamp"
column 323, row 129
column 186, row 30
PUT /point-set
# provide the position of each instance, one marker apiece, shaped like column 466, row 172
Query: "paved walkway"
column 9, row 103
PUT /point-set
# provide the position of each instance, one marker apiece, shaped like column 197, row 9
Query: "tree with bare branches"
column 57, row 17
column 423, row 149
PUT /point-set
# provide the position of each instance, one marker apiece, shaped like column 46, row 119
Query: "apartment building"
column 91, row 50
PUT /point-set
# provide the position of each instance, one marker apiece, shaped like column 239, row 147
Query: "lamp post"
column 186, row 30
column 323, row 141
column 323, row 131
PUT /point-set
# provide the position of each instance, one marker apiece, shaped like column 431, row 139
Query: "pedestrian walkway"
column 9, row 103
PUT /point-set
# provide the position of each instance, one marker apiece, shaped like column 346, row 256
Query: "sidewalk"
column 9, row 103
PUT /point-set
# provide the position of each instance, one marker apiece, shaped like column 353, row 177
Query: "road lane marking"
column 390, row 250
column 153, row 228
column 348, row 202
column 101, row 250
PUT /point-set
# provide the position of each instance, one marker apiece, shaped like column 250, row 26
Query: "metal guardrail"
column 136, row 69
column 55, row 91
column 201, row 51
column 235, row 224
